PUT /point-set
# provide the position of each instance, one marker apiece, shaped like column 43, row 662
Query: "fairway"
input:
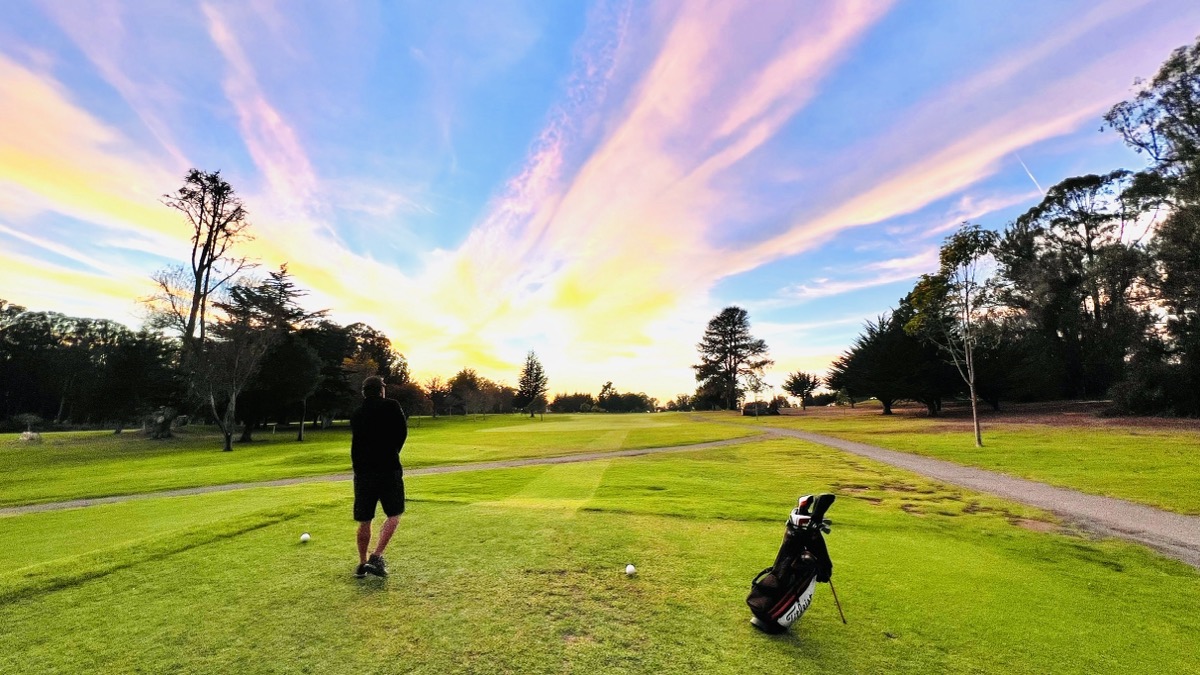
column 521, row 571
column 1155, row 466
column 99, row 464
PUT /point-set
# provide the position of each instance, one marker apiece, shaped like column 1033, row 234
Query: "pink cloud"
column 691, row 117
column 273, row 143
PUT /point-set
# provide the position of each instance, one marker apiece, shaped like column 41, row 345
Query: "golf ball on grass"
column 304, row 538
column 630, row 569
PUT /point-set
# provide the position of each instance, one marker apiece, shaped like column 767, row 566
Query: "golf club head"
column 804, row 504
column 799, row 519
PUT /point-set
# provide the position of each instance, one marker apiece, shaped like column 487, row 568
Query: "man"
column 378, row 431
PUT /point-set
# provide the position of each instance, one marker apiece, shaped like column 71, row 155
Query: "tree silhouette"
column 218, row 221
column 801, row 385
column 729, row 353
column 531, row 386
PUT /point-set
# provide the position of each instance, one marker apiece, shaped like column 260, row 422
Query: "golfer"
column 379, row 430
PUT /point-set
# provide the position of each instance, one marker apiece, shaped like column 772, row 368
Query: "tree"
column 801, row 385
column 290, row 370
column 608, row 394
column 681, row 403
column 1176, row 246
column 1076, row 281
column 950, row 306
column 889, row 364
column 334, row 392
column 1163, row 121
column 289, row 373
column 613, row 401
column 466, row 389
column 243, row 336
column 438, row 392
column 728, row 353
column 573, row 403
column 218, row 221
column 531, row 386
column 757, row 385
column 373, row 344
column 134, row 376
column 78, row 369
column 411, row 397
column 870, row 366
column 710, row 395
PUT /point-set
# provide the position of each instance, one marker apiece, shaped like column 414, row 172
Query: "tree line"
column 1093, row 293
column 222, row 344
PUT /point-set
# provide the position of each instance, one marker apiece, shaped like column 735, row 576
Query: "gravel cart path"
column 1173, row 534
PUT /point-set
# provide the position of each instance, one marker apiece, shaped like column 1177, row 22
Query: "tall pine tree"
column 728, row 352
column 531, row 388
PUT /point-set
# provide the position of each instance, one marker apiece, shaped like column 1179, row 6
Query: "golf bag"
column 780, row 594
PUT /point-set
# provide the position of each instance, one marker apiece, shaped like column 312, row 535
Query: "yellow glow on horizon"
column 56, row 286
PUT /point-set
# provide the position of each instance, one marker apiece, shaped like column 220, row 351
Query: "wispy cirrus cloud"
column 945, row 145
column 56, row 156
column 617, row 240
column 49, row 286
column 62, row 250
column 272, row 142
column 871, row 275
column 100, row 30
column 966, row 208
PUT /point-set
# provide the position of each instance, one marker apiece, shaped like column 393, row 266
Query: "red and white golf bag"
column 780, row 594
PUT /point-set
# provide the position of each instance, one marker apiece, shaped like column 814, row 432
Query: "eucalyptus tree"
column 1163, row 122
column 1074, row 268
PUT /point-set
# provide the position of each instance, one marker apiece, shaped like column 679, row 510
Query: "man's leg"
column 364, row 539
column 385, row 535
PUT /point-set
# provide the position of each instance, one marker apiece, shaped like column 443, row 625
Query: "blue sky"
column 592, row 181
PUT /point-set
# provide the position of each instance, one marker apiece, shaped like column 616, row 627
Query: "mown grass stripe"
column 454, row 468
column 62, row 573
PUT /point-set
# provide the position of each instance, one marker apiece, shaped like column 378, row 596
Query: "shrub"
column 763, row 408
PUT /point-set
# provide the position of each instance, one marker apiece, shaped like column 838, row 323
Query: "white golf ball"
column 630, row 570
column 304, row 537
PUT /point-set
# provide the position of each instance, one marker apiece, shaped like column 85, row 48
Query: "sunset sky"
column 592, row 181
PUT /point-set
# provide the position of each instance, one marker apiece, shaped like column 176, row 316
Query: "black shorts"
column 386, row 488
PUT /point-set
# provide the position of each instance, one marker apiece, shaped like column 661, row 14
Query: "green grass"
column 1151, row 466
column 97, row 464
column 520, row 570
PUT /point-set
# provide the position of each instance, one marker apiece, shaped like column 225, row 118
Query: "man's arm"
column 402, row 428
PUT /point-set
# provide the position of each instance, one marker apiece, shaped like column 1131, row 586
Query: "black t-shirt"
column 378, row 434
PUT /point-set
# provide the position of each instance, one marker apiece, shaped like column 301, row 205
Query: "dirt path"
column 453, row 468
column 1173, row 534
